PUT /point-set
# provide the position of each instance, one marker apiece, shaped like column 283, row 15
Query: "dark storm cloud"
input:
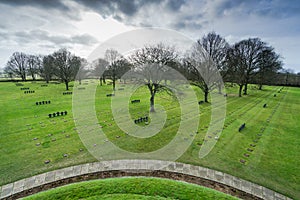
column 46, row 4
column 191, row 25
column 265, row 8
column 36, row 36
column 175, row 4
column 279, row 9
column 128, row 8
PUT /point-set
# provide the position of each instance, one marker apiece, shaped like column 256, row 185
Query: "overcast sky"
column 44, row 26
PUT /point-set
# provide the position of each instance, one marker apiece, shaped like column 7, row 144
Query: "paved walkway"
column 28, row 184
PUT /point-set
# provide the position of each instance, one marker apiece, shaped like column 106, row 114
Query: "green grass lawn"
column 131, row 188
column 28, row 136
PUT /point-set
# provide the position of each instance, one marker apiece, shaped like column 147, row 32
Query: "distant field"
column 268, row 146
column 131, row 188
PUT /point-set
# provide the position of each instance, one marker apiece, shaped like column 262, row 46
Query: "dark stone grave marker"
column 200, row 102
column 265, row 105
column 136, row 101
column 242, row 127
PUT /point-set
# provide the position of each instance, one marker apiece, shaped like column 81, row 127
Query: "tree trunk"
column 260, row 87
column 206, row 96
column 152, row 103
column 100, row 80
column 67, row 85
column 23, row 77
column 103, row 78
column 114, row 83
column 33, row 77
column 220, row 88
column 240, row 90
column 245, row 89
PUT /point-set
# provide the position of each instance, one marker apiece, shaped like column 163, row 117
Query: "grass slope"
column 273, row 161
column 131, row 188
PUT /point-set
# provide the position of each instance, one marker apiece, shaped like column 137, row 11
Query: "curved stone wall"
column 154, row 168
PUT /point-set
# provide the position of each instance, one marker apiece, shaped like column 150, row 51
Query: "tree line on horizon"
column 247, row 61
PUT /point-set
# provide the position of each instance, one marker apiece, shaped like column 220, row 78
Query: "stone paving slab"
column 137, row 165
column 49, row 177
column 7, row 190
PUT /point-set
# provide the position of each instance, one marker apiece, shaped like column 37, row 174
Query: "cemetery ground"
column 131, row 188
column 265, row 152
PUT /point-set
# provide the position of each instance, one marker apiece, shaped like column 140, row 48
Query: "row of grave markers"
column 42, row 102
column 258, row 136
column 57, row 114
column 141, row 119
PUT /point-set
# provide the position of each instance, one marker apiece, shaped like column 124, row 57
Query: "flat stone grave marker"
column 242, row 161
column 47, row 161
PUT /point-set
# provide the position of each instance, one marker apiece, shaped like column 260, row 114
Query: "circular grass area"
column 131, row 188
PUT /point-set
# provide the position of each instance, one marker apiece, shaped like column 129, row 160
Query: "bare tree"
column 269, row 65
column 32, row 65
column 46, row 67
column 152, row 61
column 83, row 70
column 116, row 63
column 66, row 66
column 100, row 65
column 216, row 47
column 17, row 65
column 202, row 71
column 243, row 57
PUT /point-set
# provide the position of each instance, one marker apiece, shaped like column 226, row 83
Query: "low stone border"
column 154, row 168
